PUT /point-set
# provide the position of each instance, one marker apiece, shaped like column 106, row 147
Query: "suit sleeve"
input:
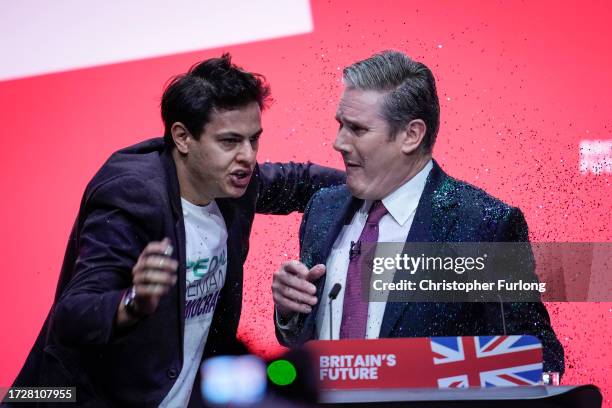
column 287, row 187
column 528, row 317
column 300, row 327
column 119, row 219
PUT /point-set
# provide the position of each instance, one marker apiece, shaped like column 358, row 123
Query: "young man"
column 152, row 278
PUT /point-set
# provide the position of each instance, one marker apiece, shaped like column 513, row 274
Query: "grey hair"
column 410, row 87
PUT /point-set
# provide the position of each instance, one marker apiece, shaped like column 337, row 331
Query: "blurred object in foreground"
column 248, row 381
column 235, row 380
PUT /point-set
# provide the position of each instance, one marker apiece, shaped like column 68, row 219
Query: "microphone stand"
column 333, row 293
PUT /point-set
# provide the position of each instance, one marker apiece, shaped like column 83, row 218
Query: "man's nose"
column 340, row 144
column 247, row 153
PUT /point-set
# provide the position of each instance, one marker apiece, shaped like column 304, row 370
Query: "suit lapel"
column 324, row 231
column 174, row 197
column 344, row 216
column 316, row 247
column 432, row 222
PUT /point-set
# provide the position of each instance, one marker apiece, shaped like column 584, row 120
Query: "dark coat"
column 132, row 200
column 448, row 211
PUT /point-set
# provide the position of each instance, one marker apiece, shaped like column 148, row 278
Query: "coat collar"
column 172, row 181
column 432, row 220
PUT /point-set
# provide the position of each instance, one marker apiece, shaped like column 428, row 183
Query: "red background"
column 520, row 84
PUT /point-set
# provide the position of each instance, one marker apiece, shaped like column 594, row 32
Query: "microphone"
column 333, row 293
column 500, row 301
column 501, row 312
column 355, row 250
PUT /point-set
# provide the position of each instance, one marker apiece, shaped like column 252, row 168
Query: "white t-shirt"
column 206, row 236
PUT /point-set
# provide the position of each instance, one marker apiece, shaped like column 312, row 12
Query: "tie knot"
column 377, row 211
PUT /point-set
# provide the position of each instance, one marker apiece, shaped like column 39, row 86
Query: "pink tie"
column 355, row 310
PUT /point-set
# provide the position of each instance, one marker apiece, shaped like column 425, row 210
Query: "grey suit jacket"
column 448, row 211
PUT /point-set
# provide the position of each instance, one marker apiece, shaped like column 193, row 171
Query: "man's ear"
column 181, row 137
column 413, row 135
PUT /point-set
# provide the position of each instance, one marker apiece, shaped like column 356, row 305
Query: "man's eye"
column 255, row 139
column 229, row 141
column 357, row 129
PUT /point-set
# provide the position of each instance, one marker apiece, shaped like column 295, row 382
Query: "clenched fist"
column 152, row 277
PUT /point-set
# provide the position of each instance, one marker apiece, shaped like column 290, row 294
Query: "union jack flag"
column 486, row 361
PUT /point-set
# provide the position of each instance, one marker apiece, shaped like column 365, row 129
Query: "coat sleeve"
column 527, row 317
column 301, row 327
column 287, row 187
column 117, row 220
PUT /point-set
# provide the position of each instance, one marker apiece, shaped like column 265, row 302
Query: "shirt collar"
column 402, row 202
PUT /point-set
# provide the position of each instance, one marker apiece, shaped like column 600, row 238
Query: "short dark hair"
column 215, row 83
column 411, row 91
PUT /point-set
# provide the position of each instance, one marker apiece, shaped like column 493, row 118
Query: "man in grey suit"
column 388, row 120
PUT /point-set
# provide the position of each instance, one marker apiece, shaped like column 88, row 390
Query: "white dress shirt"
column 393, row 227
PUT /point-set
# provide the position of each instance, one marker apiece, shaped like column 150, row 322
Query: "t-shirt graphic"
column 203, row 291
column 206, row 268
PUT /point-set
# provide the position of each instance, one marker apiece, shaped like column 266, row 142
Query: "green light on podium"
column 281, row 372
